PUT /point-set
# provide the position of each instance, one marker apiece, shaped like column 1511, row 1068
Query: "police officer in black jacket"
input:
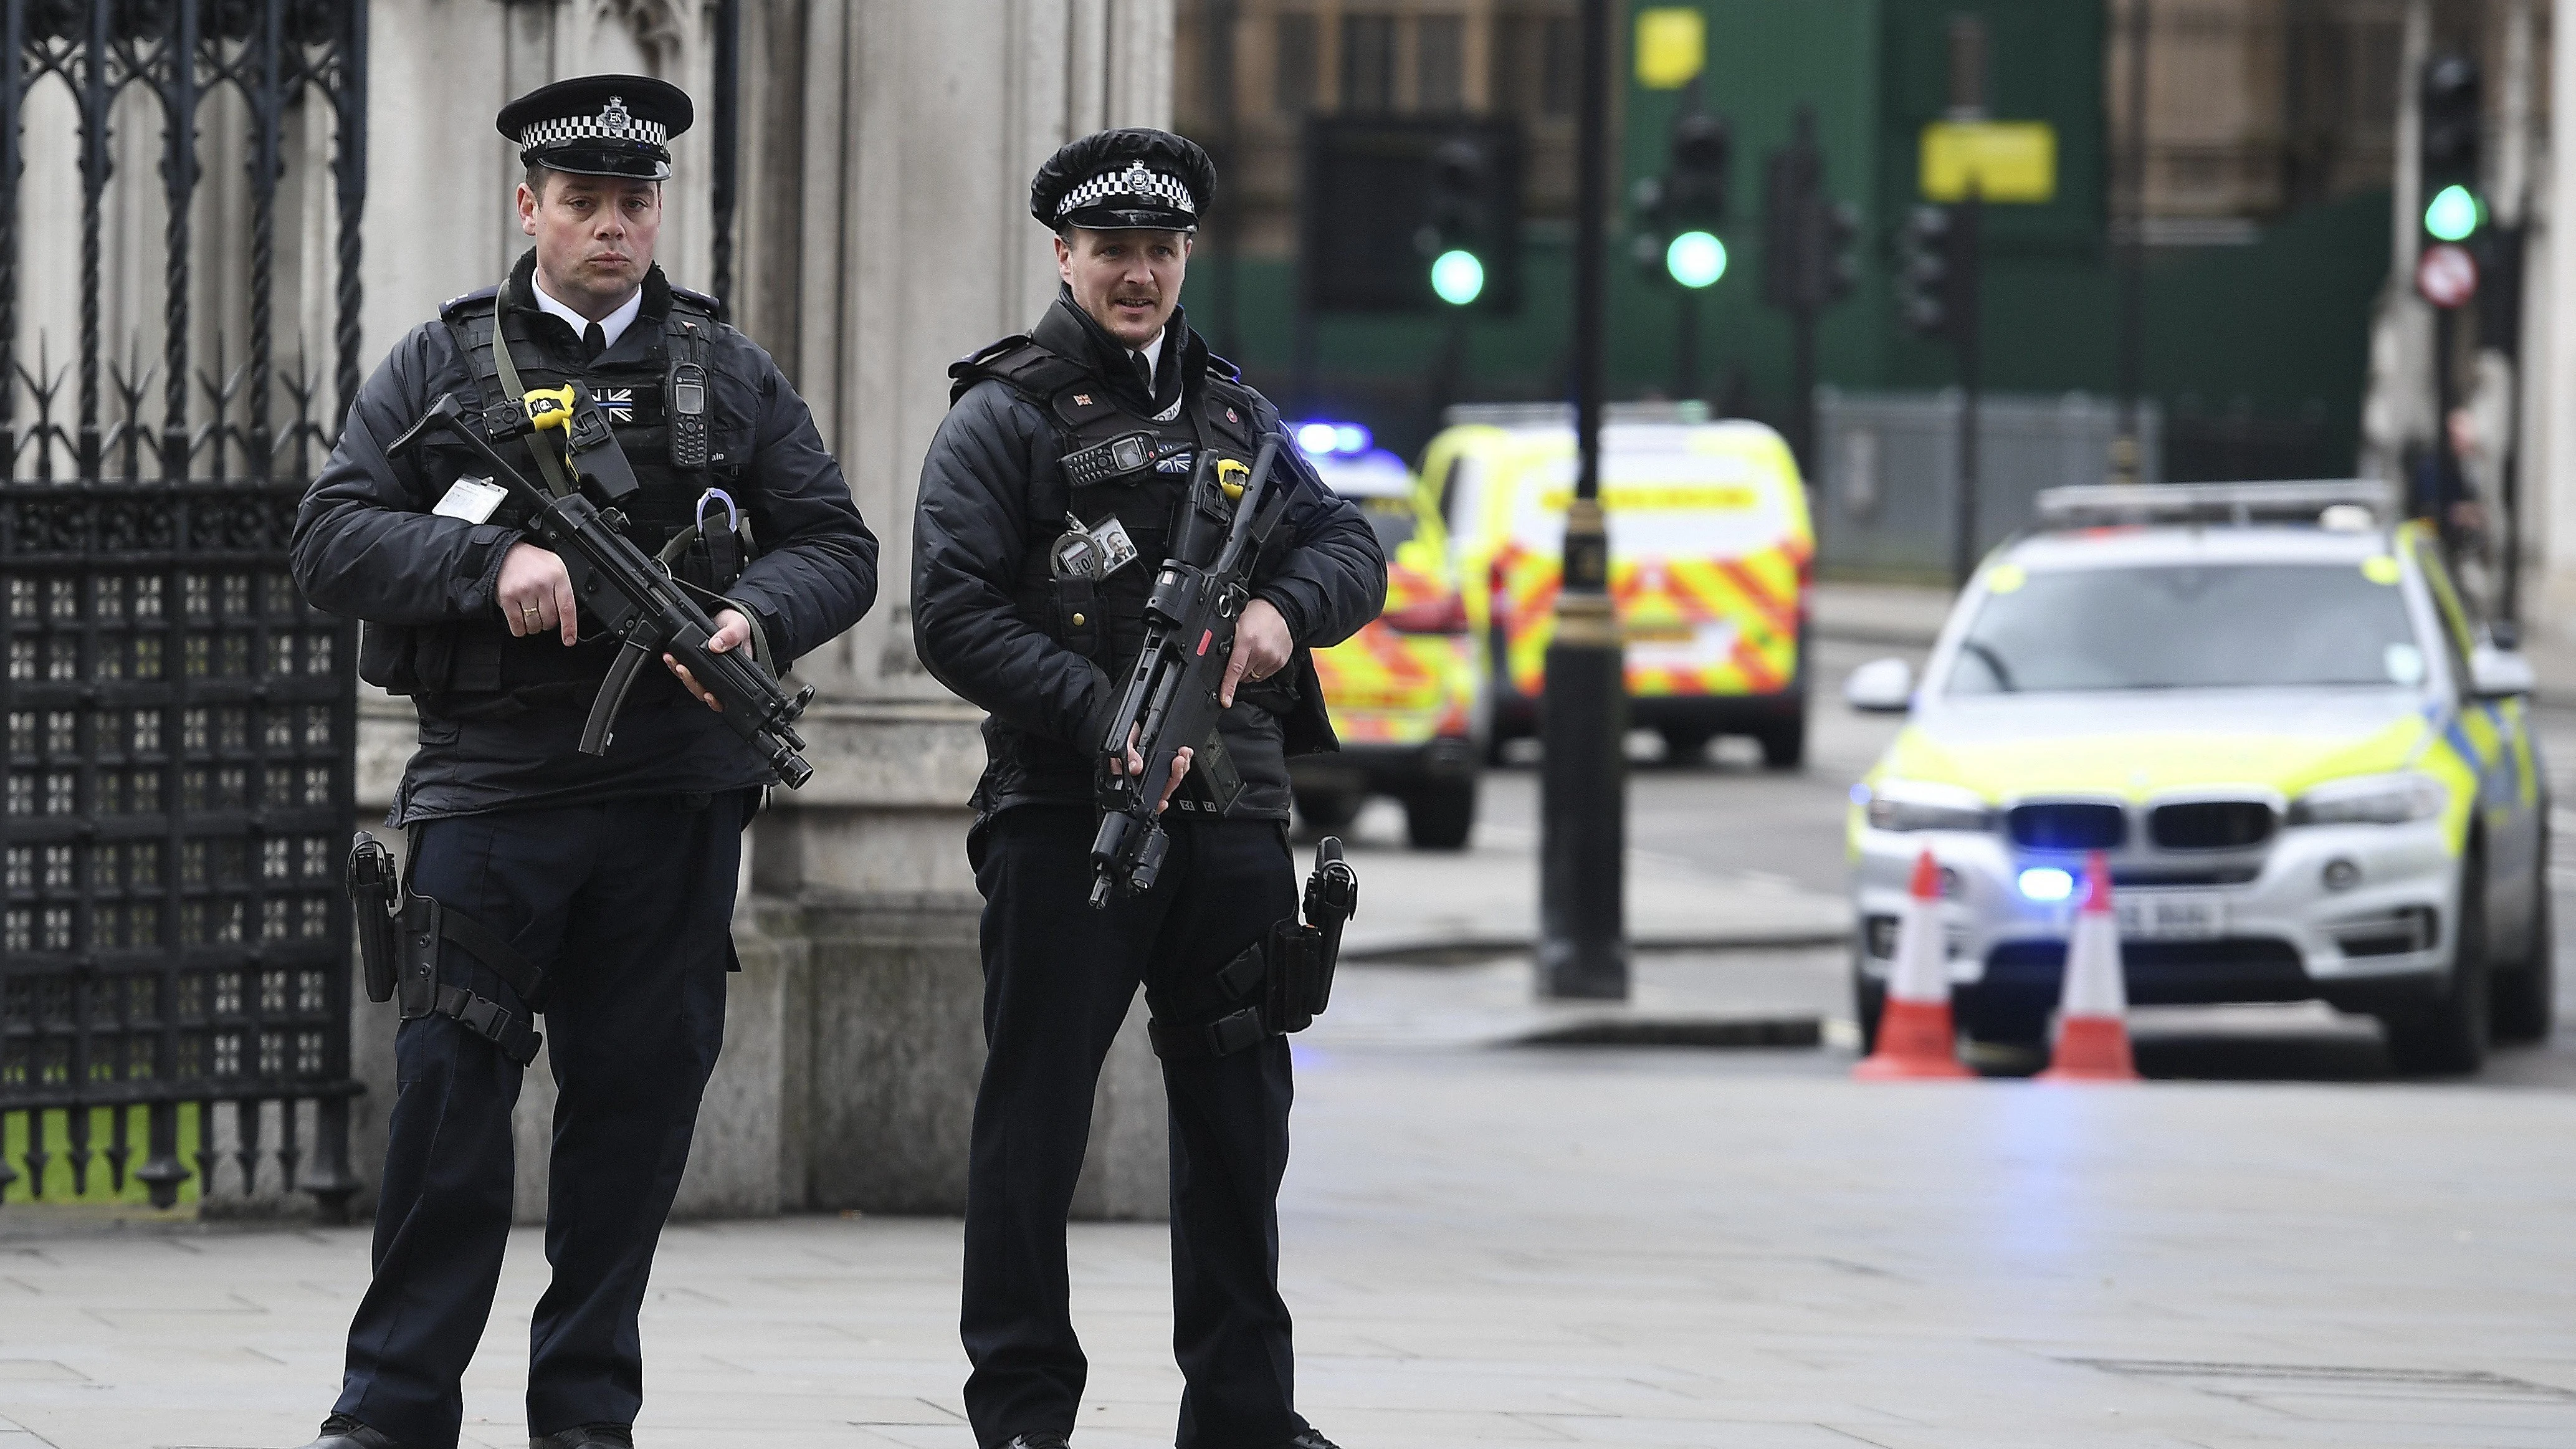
column 1048, row 498
column 604, row 885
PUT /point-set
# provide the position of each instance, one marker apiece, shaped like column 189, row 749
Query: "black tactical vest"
column 476, row 666
column 1111, row 463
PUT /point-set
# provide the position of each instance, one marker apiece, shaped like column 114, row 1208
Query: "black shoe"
column 588, row 1436
column 1308, row 1440
column 1036, row 1441
column 342, row 1432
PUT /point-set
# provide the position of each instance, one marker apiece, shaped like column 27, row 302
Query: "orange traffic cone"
column 1915, row 1038
column 2092, row 1036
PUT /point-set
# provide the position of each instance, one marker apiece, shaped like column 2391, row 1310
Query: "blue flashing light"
column 1333, row 440
column 2047, row 883
column 1859, row 794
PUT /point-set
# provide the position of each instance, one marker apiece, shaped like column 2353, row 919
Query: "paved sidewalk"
column 1460, row 905
column 1563, row 1247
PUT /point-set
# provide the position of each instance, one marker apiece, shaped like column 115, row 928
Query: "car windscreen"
column 1391, row 518
column 2192, row 626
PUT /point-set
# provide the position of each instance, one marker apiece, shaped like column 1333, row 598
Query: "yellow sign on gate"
column 1672, row 46
column 2007, row 161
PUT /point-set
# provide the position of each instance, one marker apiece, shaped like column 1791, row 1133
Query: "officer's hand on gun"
column 535, row 593
column 1135, row 764
column 535, row 596
column 1261, row 648
column 732, row 632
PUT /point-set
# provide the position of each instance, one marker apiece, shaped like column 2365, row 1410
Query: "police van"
column 1710, row 552
column 1403, row 689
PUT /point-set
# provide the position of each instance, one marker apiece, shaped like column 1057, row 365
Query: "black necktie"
column 1144, row 374
column 594, row 342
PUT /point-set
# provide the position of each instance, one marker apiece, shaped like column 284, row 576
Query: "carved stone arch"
column 660, row 27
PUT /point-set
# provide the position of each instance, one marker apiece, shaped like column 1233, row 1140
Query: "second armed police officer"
column 1049, row 498
column 598, row 889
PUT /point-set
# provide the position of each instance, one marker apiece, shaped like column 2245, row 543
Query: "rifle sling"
column 549, row 460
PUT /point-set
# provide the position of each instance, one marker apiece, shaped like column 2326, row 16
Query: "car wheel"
column 1685, row 745
column 1784, row 747
column 2447, row 1033
column 1440, row 815
column 1328, row 810
column 2526, row 997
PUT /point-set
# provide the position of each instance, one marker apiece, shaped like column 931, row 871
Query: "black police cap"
column 599, row 125
column 1132, row 177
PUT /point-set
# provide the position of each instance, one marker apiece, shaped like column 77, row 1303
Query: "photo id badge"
column 471, row 499
column 1117, row 550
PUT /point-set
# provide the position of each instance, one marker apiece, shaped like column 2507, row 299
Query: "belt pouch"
column 1289, row 987
column 713, row 560
column 1077, row 609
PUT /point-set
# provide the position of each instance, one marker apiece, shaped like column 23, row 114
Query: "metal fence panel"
column 179, row 723
column 1888, row 470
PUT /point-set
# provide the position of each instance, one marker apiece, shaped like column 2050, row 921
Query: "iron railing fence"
column 180, row 724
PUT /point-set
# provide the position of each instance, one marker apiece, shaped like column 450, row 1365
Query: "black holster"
column 1282, row 982
column 398, row 942
column 373, row 884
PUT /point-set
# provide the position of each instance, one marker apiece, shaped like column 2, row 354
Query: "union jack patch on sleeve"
column 618, row 403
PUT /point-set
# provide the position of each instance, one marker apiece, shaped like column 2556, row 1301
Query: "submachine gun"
column 625, row 590
column 1170, row 703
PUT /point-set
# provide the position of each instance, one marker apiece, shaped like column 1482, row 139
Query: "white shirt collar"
column 612, row 326
column 1153, row 357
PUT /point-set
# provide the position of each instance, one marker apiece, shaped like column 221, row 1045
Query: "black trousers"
column 1058, row 978
column 628, row 904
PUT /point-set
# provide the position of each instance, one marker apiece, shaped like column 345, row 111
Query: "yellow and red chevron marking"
column 1758, row 592
column 1388, row 687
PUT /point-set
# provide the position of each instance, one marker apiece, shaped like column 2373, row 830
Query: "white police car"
column 2265, row 703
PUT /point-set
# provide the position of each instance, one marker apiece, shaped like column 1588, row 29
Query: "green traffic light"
column 2452, row 214
column 1458, row 277
column 1695, row 259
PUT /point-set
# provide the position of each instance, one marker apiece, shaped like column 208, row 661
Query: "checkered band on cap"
column 613, row 123
column 1136, row 179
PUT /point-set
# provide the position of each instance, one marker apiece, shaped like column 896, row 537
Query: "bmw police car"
column 2266, row 703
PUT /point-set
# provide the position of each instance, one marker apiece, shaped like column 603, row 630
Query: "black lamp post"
column 1583, row 945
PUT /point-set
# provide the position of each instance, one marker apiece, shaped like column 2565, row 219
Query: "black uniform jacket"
column 975, row 522
column 367, row 546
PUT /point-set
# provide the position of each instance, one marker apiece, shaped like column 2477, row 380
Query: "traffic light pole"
column 1968, row 335
column 1686, row 347
column 1445, row 375
column 1583, row 795
column 1805, row 268
column 2446, row 459
column 2128, row 459
column 1802, row 389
